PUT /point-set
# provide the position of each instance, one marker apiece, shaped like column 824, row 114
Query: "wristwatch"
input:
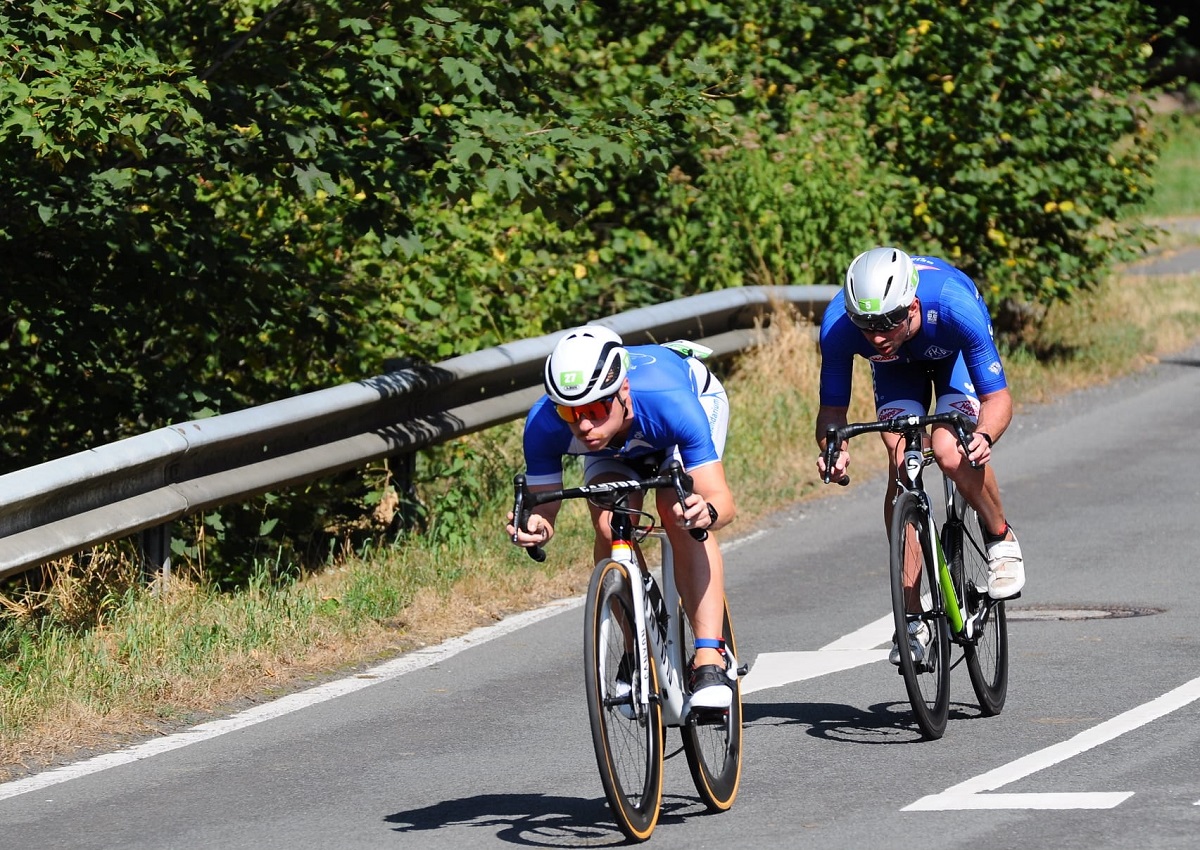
column 712, row 514
column 986, row 437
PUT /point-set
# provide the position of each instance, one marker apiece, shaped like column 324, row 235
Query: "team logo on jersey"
column 931, row 316
column 636, row 359
column 570, row 380
column 996, row 368
column 935, row 353
column 883, row 358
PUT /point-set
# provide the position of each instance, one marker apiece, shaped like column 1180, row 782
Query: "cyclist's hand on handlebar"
column 696, row 514
column 838, row 472
column 539, row 532
column 980, row 451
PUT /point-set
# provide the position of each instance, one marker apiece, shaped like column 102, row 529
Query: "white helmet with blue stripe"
column 586, row 365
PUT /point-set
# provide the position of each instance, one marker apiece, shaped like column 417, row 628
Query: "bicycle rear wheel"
column 712, row 740
column 627, row 734
column 987, row 650
column 927, row 680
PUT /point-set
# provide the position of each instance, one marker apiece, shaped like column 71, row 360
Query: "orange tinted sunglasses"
column 592, row 410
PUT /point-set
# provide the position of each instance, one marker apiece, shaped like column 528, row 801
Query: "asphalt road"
column 485, row 743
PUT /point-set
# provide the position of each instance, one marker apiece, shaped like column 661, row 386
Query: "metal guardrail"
column 145, row 482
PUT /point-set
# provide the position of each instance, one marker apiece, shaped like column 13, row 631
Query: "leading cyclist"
column 629, row 412
column 923, row 326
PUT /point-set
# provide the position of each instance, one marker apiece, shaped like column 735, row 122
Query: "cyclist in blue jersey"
column 926, row 332
column 629, row 411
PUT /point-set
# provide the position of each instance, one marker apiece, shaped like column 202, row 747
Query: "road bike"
column 949, row 567
column 636, row 639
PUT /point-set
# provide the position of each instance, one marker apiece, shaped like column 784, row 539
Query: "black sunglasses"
column 884, row 322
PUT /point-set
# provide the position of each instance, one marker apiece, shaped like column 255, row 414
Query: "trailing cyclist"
column 629, row 411
column 925, row 329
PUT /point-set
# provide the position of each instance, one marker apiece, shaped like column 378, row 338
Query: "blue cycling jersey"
column 954, row 324
column 667, row 413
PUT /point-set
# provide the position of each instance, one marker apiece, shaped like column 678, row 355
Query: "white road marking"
column 970, row 794
column 775, row 669
column 286, row 705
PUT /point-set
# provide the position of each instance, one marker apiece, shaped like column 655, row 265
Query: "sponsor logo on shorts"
column 886, row 413
column 966, row 406
column 936, row 353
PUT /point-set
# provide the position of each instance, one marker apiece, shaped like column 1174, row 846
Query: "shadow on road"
column 535, row 820
column 882, row 723
column 1181, row 361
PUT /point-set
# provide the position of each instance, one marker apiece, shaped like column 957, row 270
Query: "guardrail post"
column 154, row 546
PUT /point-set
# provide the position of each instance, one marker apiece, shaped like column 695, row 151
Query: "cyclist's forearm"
column 827, row 416
column 548, row 511
column 995, row 414
column 710, row 484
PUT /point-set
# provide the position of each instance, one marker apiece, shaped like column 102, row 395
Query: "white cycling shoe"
column 1006, row 568
column 919, row 638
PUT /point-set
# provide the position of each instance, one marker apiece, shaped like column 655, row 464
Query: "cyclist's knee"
column 602, row 528
column 946, row 452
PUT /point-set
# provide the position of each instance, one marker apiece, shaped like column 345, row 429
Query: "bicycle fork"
column 916, row 458
column 623, row 552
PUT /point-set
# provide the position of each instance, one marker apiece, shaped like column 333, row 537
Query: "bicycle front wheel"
column 987, row 650
column 927, row 677
column 712, row 740
column 627, row 727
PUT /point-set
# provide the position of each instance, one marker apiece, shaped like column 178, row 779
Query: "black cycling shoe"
column 710, row 686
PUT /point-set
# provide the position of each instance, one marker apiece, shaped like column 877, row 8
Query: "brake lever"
column 961, row 432
column 521, row 516
column 683, row 486
column 832, row 450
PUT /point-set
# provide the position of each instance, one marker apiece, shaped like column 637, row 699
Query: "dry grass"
column 1131, row 322
column 773, row 395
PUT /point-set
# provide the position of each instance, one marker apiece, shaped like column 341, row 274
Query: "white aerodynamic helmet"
column 880, row 284
column 586, row 365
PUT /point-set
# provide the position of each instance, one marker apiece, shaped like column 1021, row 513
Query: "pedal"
column 708, row 716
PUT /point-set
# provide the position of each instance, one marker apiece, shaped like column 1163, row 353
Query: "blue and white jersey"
column 954, row 323
column 665, row 393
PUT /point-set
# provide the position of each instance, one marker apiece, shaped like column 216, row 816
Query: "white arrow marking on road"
column 774, row 669
column 969, row 794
